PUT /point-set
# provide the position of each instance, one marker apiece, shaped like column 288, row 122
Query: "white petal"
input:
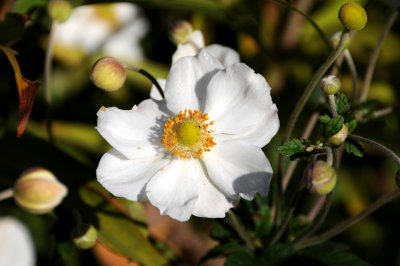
column 134, row 133
column 173, row 189
column 191, row 47
column 127, row 178
column 154, row 93
column 16, row 245
column 211, row 203
column 238, row 100
column 227, row 56
column 238, row 168
column 187, row 82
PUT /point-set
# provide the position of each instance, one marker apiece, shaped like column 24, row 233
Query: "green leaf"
column 352, row 125
column 276, row 255
column 291, row 147
column 324, row 119
column 221, row 230
column 240, row 259
column 119, row 234
column 342, row 106
column 332, row 254
column 226, row 249
column 333, row 126
column 354, row 147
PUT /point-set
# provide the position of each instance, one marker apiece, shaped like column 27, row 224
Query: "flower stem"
column 353, row 71
column 349, row 222
column 382, row 112
column 47, row 75
column 146, row 74
column 380, row 147
column 5, row 194
column 332, row 103
column 241, row 230
column 374, row 57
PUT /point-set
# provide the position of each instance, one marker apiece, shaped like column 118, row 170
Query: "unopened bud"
column 330, row 84
column 84, row 236
column 181, row 31
column 339, row 137
column 321, row 177
column 38, row 191
column 59, row 10
column 108, row 74
column 353, row 16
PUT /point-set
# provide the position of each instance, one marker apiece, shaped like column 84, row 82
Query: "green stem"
column 353, row 71
column 380, row 147
column 47, row 74
column 146, row 74
column 332, row 104
column 374, row 57
column 241, row 230
column 350, row 221
column 5, row 194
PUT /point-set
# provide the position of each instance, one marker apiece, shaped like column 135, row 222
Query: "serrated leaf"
column 354, row 147
column 276, row 255
column 291, row 147
column 333, row 126
column 324, row 118
column 306, row 142
column 351, row 125
column 342, row 106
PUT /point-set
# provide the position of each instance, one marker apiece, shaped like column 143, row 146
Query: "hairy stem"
column 350, row 221
column 147, row 75
column 47, row 74
column 241, row 230
column 380, row 147
column 5, row 194
column 332, row 104
column 374, row 57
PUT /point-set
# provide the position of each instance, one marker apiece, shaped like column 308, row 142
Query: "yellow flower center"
column 187, row 135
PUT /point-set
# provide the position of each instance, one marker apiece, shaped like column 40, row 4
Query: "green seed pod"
column 108, row 74
column 339, row 137
column 353, row 16
column 38, row 191
column 59, row 10
column 321, row 177
column 84, row 236
column 330, row 84
column 180, row 32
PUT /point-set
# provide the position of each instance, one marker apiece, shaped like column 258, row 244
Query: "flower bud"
column 84, row 236
column 353, row 16
column 38, row 191
column 339, row 137
column 59, row 10
column 108, row 74
column 330, row 84
column 321, row 177
column 181, row 31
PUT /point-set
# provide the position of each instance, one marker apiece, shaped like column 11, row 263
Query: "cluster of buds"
column 38, row 191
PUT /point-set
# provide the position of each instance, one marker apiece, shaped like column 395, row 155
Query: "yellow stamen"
column 187, row 135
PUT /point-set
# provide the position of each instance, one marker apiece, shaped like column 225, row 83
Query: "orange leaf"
column 27, row 91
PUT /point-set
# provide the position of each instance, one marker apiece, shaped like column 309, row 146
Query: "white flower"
column 114, row 29
column 195, row 41
column 16, row 246
column 198, row 150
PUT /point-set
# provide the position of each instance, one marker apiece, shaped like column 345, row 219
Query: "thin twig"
column 374, row 57
column 353, row 72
